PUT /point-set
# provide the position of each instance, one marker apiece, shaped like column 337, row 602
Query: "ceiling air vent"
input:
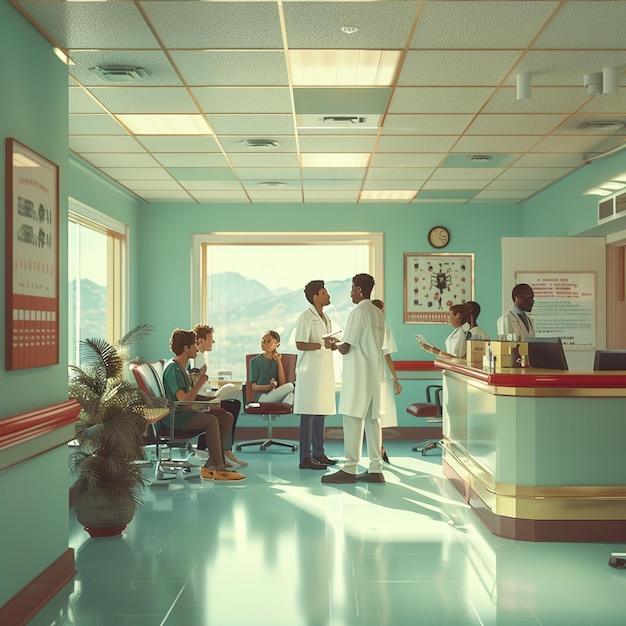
column 606, row 209
column 120, row 73
column 344, row 120
column 355, row 122
column 263, row 144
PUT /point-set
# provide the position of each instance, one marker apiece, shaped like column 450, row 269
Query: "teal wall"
column 97, row 192
column 168, row 228
column 34, row 512
column 565, row 210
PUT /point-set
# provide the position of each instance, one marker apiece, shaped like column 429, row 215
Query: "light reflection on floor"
column 282, row 549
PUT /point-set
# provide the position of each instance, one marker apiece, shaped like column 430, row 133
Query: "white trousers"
column 284, row 393
column 353, row 428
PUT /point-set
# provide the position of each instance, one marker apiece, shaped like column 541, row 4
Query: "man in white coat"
column 363, row 373
column 315, row 391
column 516, row 321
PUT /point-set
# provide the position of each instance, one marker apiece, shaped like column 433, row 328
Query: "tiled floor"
column 281, row 549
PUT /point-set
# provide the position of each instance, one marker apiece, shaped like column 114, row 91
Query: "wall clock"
column 439, row 237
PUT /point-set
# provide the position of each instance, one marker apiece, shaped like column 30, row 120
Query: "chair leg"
column 268, row 441
column 425, row 446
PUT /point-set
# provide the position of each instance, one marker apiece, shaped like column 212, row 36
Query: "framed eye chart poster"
column 32, row 258
column 433, row 283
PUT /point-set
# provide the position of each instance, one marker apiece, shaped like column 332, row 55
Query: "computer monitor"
column 610, row 360
column 547, row 353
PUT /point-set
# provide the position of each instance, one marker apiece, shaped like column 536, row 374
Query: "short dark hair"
column 519, row 290
column 473, row 310
column 180, row 339
column 459, row 309
column 312, row 288
column 365, row 282
column 274, row 334
column 202, row 331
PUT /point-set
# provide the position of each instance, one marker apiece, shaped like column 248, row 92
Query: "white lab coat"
column 456, row 343
column 388, row 412
column 510, row 323
column 315, row 388
column 363, row 372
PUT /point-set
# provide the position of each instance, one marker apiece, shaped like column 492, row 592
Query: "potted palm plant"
column 109, row 435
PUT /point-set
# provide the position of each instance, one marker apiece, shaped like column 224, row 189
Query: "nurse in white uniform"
column 391, row 386
column 362, row 347
column 456, row 343
column 315, row 391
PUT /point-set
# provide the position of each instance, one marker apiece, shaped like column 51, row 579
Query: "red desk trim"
column 415, row 366
column 530, row 378
column 25, row 426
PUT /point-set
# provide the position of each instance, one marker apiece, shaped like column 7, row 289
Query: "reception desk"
column 538, row 454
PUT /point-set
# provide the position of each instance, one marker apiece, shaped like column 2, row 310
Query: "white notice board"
column 565, row 306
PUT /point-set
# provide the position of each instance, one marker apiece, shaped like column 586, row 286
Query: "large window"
column 97, row 277
column 250, row 283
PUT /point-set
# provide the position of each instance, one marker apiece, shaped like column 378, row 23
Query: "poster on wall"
column 565, row 306
column 32, row 258
column 433, row 283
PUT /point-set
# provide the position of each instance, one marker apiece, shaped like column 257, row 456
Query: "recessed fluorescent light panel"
column 388, row 194
column 166, row 124
column 335, row 159
column 349, row 68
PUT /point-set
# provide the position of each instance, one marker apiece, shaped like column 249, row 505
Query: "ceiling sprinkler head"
column 480, row 157
column 349, row 30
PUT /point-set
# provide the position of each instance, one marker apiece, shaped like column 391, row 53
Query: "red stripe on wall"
column 25, row 426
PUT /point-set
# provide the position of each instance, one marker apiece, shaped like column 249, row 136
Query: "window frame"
column 199, row 314
column 116, row 233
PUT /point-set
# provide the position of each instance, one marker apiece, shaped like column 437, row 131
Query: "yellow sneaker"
column 227, row 475
column 207, row 473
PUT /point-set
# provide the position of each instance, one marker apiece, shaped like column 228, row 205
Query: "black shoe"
column 384, row 455
column 324, row 460
column 366, row 477
column 338, row 478
column 312, row 464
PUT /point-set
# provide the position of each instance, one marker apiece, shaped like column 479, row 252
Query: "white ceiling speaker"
column 120, row 73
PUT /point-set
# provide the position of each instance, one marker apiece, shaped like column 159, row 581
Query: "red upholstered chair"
column 268, row 410
column 431, row 410
column 149, row 378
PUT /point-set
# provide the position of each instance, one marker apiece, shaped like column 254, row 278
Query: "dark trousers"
column 234, row 407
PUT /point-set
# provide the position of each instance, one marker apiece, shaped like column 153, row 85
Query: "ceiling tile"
column 180, row 143
column 427, row 124
column 231, row 67
column 124, row 159
column 591, row 24
column 95, row 124
column 453, row 24
column 104, row 143
column 439, row 99
column 93, row 24
column 145, row 99
column 382, row 25
column 216, row 24
column 193, row 159
column 464, row 67
column 251, row 124
column 243, row 99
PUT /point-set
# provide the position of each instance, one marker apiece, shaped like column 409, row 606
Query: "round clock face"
column 438, row 237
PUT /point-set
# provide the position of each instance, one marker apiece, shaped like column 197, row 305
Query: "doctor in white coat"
column 516, row 321
column 315, row 391
column 363, row 374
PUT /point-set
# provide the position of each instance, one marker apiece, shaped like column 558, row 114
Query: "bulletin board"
column 32, row 258
column 433, row 283
column 565, row 306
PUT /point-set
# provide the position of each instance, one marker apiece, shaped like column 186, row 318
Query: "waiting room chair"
column 432, row 412
column 149, row 378
column 268, row 410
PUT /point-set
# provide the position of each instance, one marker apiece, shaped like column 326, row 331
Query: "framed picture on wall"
column 32, row 258
column 433, row 283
